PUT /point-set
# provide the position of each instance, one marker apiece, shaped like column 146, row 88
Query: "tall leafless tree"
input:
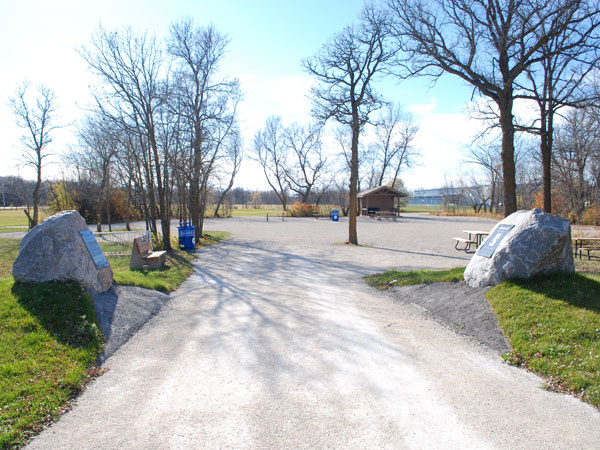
column 207, row 104
column 395, row 133
column 234, row 155
column 577, row 142
column 488, row 157
column 270, row 152
column 307, row 159
column 560, row 78
column 488, row 44
column 99, row 146
column 36, row 116
column 132, row 68
column 345, row 69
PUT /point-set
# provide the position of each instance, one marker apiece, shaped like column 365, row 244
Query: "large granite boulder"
column 63, row 248
column 525, row 244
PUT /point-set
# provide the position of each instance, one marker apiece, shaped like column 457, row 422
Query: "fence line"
column 118, row 243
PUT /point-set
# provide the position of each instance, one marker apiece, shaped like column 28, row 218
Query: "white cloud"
column 442, row 139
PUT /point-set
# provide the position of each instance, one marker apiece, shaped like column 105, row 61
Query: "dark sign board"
column 490, row 245
column 95, row 251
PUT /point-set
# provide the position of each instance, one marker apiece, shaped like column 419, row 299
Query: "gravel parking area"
column 415, row 240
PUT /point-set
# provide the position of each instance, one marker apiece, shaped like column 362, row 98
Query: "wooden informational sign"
column 491, row 243
column 95, row 251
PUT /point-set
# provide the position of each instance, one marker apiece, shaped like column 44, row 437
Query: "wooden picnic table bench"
column 587, row 245
column 141, row 255
column 385, row 215
column 475, row 239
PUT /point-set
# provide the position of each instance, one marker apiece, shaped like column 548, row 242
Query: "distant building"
column 379, row 199
column 440, row 196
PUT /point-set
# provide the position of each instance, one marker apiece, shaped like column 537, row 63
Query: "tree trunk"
column 508, row 153
column 200, row 229
column 36, row 193
column 99, row 216
column 546, row 154
column 128, row 209
column 108, row 218
column 352, row 232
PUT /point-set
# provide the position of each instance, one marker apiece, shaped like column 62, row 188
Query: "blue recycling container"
column 187, row 233
column 335, row 215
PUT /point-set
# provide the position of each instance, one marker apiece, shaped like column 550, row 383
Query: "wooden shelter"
column 380, row 200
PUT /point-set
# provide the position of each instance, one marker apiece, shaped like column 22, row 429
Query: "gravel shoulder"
column 122, row 311
column 459, row 307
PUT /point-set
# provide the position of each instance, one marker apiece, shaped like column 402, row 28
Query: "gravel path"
column 276, row 342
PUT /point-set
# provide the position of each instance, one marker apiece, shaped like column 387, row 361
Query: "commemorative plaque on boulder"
column 525, row 244
column 95, row 251
column 491, row 243
column 63, row 248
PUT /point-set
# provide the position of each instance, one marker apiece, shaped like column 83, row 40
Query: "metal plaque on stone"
column 95, row 251
column 490, row 245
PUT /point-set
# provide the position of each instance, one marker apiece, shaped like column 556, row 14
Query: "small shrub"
column 159, row 244
column 299, row 209
column 559, row 204
column 591, row 216
column 572, row 217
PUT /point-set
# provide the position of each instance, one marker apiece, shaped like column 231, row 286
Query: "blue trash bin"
column 335, row 215
column 187, row 234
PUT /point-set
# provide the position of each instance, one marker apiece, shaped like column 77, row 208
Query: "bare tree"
column 367, row 173
column 395, row 133
column 345, row 68
column 235, row 156
column 488, row 44
column 559, row 79
column 304, row 144
column 131, row 66
column 577, row 141
column 488, row 157
column 36, row 118
column 99, row 148
column 208, row 105
column 270, row 152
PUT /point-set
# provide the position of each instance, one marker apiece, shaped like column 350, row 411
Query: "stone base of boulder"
column 538, row 243
column 55, row 250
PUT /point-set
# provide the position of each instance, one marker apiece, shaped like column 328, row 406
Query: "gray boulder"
column 525, row 244
column 57, row 250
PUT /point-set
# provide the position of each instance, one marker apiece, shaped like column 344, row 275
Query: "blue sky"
column 38, row 40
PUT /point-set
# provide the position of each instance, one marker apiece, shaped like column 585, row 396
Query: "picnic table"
column 586, row 244
column 476, row 238
column 386, row 215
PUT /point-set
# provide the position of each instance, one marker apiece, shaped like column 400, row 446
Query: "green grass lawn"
column 12, row 229
column 49, row 342
column 168, row 278
column 383, row 280
column 12, row 217
column 245, row 212
column 417, row 208
column 16, row 217
column 553, row 325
